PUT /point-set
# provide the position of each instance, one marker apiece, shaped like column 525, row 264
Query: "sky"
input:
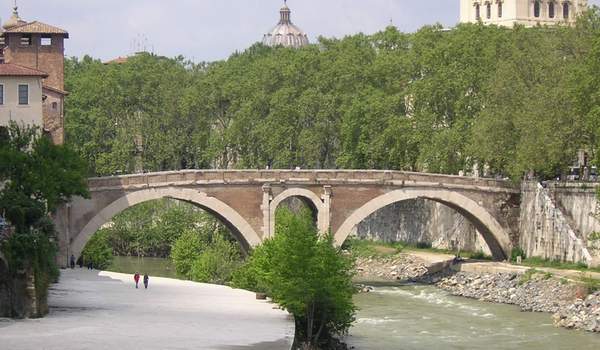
column 209, row 30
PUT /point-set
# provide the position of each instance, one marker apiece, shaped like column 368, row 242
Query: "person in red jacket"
column 136, row 277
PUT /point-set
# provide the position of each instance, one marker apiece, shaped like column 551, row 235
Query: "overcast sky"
column 208, row 30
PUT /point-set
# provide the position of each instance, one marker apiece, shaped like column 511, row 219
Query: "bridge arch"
column 310, row 196
column 493, row 233
column 244, row 233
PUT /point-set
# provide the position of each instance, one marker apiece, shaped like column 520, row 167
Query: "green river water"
column 426, row 318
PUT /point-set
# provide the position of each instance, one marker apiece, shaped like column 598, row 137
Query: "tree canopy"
column 444, row 101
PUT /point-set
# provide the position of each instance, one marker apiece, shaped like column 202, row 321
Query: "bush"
column 217, row 263
column 516, row 252
column 98, row 250
column 185, row 251
column 307, row 276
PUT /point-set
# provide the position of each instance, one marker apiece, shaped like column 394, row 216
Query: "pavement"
column 103, row 310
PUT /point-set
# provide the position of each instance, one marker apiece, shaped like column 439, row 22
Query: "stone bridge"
column 246, row 200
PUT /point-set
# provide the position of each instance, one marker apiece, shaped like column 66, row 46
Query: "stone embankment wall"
column 545, row 230
column 421, row 220
column 579, row 203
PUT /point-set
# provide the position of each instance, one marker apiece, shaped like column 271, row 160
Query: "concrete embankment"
column 559, row 292
column 104, row 310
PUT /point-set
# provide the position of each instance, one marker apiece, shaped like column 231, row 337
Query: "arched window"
column 499, row 9
column 477, row 12
column 488, row 10
column 551, row 9
column 566, row 10
column 536, row 9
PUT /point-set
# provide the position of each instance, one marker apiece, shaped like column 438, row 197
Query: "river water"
column 417, row 317
column 424, row 317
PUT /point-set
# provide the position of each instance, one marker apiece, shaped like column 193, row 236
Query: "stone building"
column 524, row 12
column 39, row 46
column 285, row 33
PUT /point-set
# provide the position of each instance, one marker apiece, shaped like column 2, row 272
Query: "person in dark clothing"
column 90, row 265
column 136, row 278
column 72, row 261
column 146, row 278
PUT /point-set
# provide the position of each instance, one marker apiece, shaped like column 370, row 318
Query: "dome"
column 14, row 20
column 285, row 32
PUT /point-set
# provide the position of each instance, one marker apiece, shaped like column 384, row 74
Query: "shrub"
column 98, row 250
column 217, row 263
column 185, row 251
column 308, row 276
column 516, row 252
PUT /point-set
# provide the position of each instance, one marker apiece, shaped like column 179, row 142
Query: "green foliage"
column 98, row 250
column 35, row 177
column 539, row 262
column 590, row 283
column 527, row 276
column 478, row 96
column 367, row 248
column 185, row 252
column 516, row 252
column 151, row 228
column 217, row 262
column 306, row 275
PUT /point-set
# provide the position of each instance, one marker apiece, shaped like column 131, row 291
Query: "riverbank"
column 562, row 293
column 103, row 310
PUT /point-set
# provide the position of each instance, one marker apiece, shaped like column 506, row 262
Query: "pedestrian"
column 146, row 278
column 72, row 261
column 136, row 278
column 90, row 265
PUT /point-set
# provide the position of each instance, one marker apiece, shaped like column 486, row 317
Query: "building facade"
column 522, row 12
column 40, row 47
column 21, row 95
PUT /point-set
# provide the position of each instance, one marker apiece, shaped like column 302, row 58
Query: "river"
column 424, row 317
column 421, row 317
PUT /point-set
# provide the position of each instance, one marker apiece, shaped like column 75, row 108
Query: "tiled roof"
column 14, row 70
column 59, row 91
column 38, row 28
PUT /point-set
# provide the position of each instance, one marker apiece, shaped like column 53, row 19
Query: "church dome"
column 14, row 20
column 285, row 32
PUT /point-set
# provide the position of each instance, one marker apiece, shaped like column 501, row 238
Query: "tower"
column 39, row 46
column 285, row 32
column 523, row 12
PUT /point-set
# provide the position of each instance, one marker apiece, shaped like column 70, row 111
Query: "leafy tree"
column 217, row 262
column 98, row 250
column 185, row 252
column 36, row 177
column 306, row 275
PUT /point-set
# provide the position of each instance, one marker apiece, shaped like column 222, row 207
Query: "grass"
column 591, row 284
column 539, row 262
column 367, row 248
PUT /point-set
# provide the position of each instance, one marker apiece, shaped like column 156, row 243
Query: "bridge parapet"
column 299, row 177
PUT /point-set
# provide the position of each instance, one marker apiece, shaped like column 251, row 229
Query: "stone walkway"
column 103, row 310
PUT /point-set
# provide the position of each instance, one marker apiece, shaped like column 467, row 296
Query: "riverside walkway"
column 103, row 310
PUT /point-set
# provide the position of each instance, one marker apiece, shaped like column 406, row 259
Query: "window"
column 536, row 9
column 566, row 10
column 46, row 41
column 551, row 9
column 488, row 10
column 23, row 94
column 54, row 105
column 499, row 9
column 1, row 94
column 477, row 12
column 26, row 40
